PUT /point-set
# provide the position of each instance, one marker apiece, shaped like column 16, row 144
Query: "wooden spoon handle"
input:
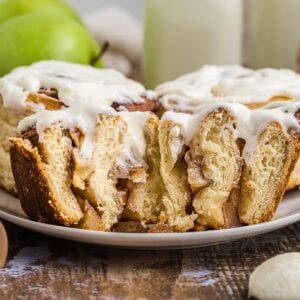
column 3, row 246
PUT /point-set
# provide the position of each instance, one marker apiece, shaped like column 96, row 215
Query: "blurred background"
column 133, row 6
column 183, row 35
column 154, row 41
column 119, row 22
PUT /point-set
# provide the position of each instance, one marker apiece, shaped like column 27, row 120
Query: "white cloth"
column 122, row 31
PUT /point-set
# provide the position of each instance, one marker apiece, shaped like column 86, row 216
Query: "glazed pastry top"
column 72, row 82
column 231, row 83
column 88, row 92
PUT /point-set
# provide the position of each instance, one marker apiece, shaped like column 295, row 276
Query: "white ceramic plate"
column 287, row 213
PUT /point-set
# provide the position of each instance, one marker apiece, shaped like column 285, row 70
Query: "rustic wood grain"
column 42, row 267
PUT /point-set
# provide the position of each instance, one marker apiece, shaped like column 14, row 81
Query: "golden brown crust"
column 147, row 105
column 37, row 198
column 48, row 98
column 26, row 169
column 50, row 103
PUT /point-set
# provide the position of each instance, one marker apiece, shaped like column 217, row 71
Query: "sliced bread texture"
column 266, row 173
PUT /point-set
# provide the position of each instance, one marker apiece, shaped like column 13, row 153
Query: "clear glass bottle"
column 274, row 33
column 183, row 35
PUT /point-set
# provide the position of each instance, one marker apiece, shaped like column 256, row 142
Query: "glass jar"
column 181, row 36
column 274, row 33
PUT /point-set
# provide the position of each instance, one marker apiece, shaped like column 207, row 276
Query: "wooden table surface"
column 41, row 267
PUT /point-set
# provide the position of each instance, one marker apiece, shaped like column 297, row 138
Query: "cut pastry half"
column 232, row 84
column 56, row 85
column 163, row 200
column 97, row 184
column 214, row 167
column 57, row 184
column 42, row 172
column 177, row 198
column 144, row 202
column 266, row 173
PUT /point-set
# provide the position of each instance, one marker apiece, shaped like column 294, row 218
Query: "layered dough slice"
column 97, row 184
column 65, row 178
column 238, row 160
column 204, row 165
column 163, row 201
column 266, row 173
column 214, row 168
column 42, row 173
column 177, row 197
column 144, row 199
column 9, row 119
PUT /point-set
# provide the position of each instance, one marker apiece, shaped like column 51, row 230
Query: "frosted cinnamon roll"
column 54, row 85
column 233, row 83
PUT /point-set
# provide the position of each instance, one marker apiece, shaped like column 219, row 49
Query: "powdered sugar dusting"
column 192, row 270
column 27, row 260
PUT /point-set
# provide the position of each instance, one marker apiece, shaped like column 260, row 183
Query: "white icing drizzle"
column 81, row 115
column 231, row 83
column 249, row 123
column 88, row 92
column 135, row 143
column 84, row 115
column 176, row 143
column 73, row 83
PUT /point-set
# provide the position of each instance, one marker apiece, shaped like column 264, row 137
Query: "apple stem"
column 105, row 46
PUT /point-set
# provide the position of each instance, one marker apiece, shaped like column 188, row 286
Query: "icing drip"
column 135, row 144
column 84, row 115
column 81, row 115
column 249, row 123
column 233, row 83
column 72, row 82
column 88, row 91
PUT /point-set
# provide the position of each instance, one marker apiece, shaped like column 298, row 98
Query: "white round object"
column 277, row 278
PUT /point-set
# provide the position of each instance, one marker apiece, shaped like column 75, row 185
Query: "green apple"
column 43, row 36
column 12, row 8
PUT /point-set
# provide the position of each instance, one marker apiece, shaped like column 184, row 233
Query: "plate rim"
column 10, row 217
column 157, row 241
